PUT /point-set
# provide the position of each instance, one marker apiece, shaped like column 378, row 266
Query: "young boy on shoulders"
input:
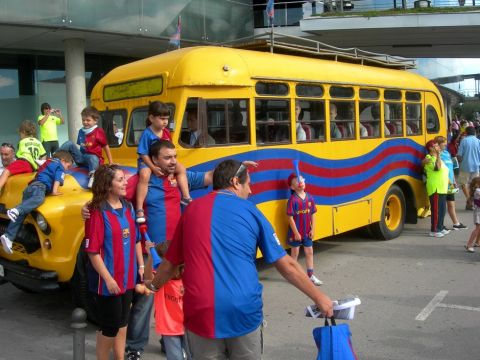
column 92, row 140
column 30, row 150
column 300, row 210
column 49, row 178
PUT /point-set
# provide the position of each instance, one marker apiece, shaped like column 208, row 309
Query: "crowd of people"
column 206, row 293
column 446, row 165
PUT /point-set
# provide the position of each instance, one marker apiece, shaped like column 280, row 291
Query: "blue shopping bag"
column 334, row 342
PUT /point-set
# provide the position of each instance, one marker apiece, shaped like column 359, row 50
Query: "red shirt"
column 92, row 143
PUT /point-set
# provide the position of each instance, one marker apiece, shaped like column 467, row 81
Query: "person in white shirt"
column 301, row 135
column 7, row 151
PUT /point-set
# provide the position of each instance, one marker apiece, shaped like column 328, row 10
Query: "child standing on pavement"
column 157, row 122
column 300, row 210
column 49, row 178
column 475, row 198
column 30, row 150
column 92, row 140
column 168, row 305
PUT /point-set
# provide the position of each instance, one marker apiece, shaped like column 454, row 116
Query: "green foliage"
column 468, row 109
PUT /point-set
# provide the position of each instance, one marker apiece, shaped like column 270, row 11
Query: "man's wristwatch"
column 153, row 287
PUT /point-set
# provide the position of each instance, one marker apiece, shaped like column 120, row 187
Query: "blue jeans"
column 138, row 329
column 33, row 197
column 91, row 160
column 174, row 346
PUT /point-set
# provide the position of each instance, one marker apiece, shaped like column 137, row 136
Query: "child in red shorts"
column 30, row 150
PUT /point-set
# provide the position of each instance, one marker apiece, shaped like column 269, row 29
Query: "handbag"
column 334, row 341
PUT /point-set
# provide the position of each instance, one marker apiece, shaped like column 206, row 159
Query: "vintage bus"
column 359, row 136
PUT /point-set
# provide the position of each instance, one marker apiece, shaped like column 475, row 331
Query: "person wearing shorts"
column 300, row 211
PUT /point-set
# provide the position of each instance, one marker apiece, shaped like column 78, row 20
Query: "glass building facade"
column 30, row 77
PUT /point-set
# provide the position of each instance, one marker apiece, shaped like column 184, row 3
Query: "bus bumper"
column 26, row 277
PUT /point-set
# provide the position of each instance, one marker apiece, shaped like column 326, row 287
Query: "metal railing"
column 283, row 43
column 290, row 13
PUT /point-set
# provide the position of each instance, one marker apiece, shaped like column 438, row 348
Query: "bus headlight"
column 42, row 223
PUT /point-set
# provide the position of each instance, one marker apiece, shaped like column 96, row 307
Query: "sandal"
column 140, row 216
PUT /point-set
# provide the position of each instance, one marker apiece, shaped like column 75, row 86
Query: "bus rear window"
column 266, row 88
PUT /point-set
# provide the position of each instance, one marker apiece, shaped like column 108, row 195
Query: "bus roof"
column 222, row 66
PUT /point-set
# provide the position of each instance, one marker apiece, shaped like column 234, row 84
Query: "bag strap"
column 332, row 321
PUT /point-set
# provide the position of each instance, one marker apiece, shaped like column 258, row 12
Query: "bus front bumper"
column 26, row 277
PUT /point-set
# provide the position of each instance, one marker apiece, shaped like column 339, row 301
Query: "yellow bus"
column 358, row 135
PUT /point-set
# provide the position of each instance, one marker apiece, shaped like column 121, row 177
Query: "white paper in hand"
column 342, row 309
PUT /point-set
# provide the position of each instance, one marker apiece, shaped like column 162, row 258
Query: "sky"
column 434, row 68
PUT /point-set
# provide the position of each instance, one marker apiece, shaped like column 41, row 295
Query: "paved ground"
column 414, row 276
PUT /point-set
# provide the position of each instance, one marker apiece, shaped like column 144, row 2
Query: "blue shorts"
column 306, row 242
column 140, row 164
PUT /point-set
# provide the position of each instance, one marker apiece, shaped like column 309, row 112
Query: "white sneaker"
column 316, row 281
column 436, row 234
column 90, row 182
column 445, row 231
column 6, row 244
column 13, row 214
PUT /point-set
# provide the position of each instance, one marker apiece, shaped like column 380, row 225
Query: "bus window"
column 369, row 94
column 369, row 119
column 272, row 118
column 307, row 90
column 393, row 119
column 342, row 120
column 264, row 88
column 433, row 124
column 138, row 119
column 227, row 121
column 342, row 92
column 113, row 123
column 311, row 119
column 414, row 119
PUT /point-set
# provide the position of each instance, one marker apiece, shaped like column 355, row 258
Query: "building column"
column 75, row 81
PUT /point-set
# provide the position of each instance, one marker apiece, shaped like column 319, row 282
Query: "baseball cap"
column 290, row 178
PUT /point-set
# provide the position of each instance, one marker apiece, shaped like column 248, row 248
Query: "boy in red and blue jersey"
column 300, row 210
column 92, row 141
column 49, row 178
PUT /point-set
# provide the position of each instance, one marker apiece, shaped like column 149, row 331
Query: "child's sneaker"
column 140, row 216
column 185, row 201
column 316, row 281
column 13, row 214
column 90, row 181
column 6, row 244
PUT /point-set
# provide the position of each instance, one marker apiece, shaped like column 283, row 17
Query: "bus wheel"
column 393, row 215
column 79, row 288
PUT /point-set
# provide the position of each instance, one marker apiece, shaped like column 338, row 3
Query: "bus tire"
column 81, row 296
column 392, row 219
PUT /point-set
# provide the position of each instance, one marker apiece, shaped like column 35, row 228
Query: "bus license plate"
column 2, row 273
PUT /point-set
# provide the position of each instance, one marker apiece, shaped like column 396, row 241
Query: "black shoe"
column 460, row 226
column 133, row 355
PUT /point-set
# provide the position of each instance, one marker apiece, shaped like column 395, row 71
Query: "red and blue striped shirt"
column 112, row 233
column 217, row 239
column 302, row 211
